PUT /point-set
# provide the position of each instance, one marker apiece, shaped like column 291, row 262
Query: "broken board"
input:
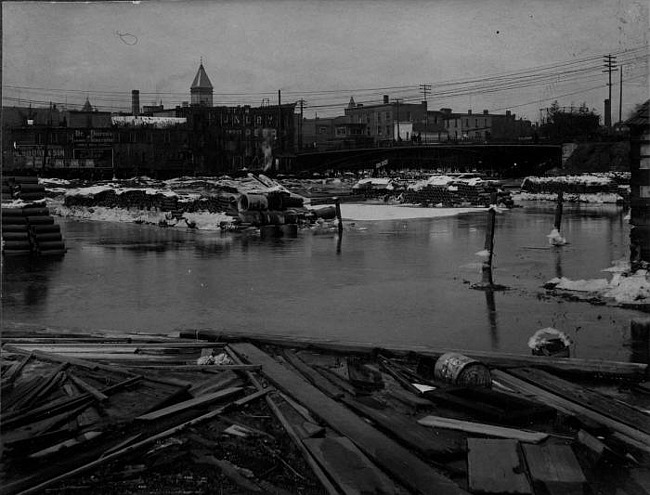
column 554, row 469
column 490, row 473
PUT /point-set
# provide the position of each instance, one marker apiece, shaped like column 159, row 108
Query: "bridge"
column 507, row 159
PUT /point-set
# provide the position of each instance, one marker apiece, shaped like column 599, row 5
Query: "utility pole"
column 620, row 96
column 302, row 102
column 610, row 66
column 425, row 89
column 280, row 117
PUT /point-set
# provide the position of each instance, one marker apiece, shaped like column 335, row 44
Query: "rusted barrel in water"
column 252, row 202
column 267, row 231
column 463, row 371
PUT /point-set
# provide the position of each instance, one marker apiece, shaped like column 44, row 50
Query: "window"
column 379, row 130
column 466, row 122
column 388, row 130
column 476, row 122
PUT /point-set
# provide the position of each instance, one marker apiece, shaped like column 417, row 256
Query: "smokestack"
column 385, row 99
column 135, row 102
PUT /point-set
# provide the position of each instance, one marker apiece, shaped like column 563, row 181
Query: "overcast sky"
column 488, row 54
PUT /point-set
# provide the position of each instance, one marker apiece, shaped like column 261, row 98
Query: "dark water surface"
column 393, row 282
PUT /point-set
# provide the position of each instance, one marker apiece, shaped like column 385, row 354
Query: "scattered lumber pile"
column 207, row 413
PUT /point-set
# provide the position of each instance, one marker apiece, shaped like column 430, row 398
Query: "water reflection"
column 492, row 318
column 29, row 277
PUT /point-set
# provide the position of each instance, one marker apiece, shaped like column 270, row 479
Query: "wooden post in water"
column 489, row 243
column 337, row 203
column 558, row 212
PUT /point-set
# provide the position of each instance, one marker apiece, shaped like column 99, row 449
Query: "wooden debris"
column 337, row 380
column 182, row 406
column 441, row 446
column 231, row 471
column 288, row 427
column 351, row 470
column 554, row 469
column 313, row 376
column 587, row 398
column 84, row 437
column 398, row 461
column 87, row 387
column 483, row 429
column 410, row 399
column 570, row 407
column 491, row 404
column 364, row 376
column 142, row 443
column 496, row 466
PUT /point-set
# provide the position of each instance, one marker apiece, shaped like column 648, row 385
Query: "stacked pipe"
column 44, row 234
column 15, row 232
column 26, row 188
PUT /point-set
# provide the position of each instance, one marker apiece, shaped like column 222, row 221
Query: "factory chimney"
column 135, row 102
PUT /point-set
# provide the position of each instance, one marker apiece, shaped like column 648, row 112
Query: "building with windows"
column 383, row 121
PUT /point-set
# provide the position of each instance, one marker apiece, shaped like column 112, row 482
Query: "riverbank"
column 269, row 416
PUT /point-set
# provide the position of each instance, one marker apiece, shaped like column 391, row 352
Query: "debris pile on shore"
column 585, row 188
column 108, row 414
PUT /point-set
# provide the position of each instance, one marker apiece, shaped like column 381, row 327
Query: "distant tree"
column 574, row 123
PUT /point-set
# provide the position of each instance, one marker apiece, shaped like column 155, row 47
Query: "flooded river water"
column 392, row 282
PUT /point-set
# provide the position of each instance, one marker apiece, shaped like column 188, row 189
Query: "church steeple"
column 87, row 106
column 201, row 89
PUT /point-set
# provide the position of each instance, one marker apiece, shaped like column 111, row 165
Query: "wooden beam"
column 590, row 399
column 188, row 404
column 314, row 377
column 483, row 429
column 569, row 407
column 392, row 457
column 351, row 470
column 87, row 387
column 496, row 466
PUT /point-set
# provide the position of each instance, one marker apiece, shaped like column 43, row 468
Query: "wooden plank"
column 204, row 368
column 87, row 387
column 350, row 469
column 496, row 466
column 389, row 455
column 314, row 377
column 590, row 399
column 483, row 429
column 198, row 401
column 569, row 407
column 441, row 445
column 555, row 469
column 571, row 366
column 12, row 375
column 337, row 379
